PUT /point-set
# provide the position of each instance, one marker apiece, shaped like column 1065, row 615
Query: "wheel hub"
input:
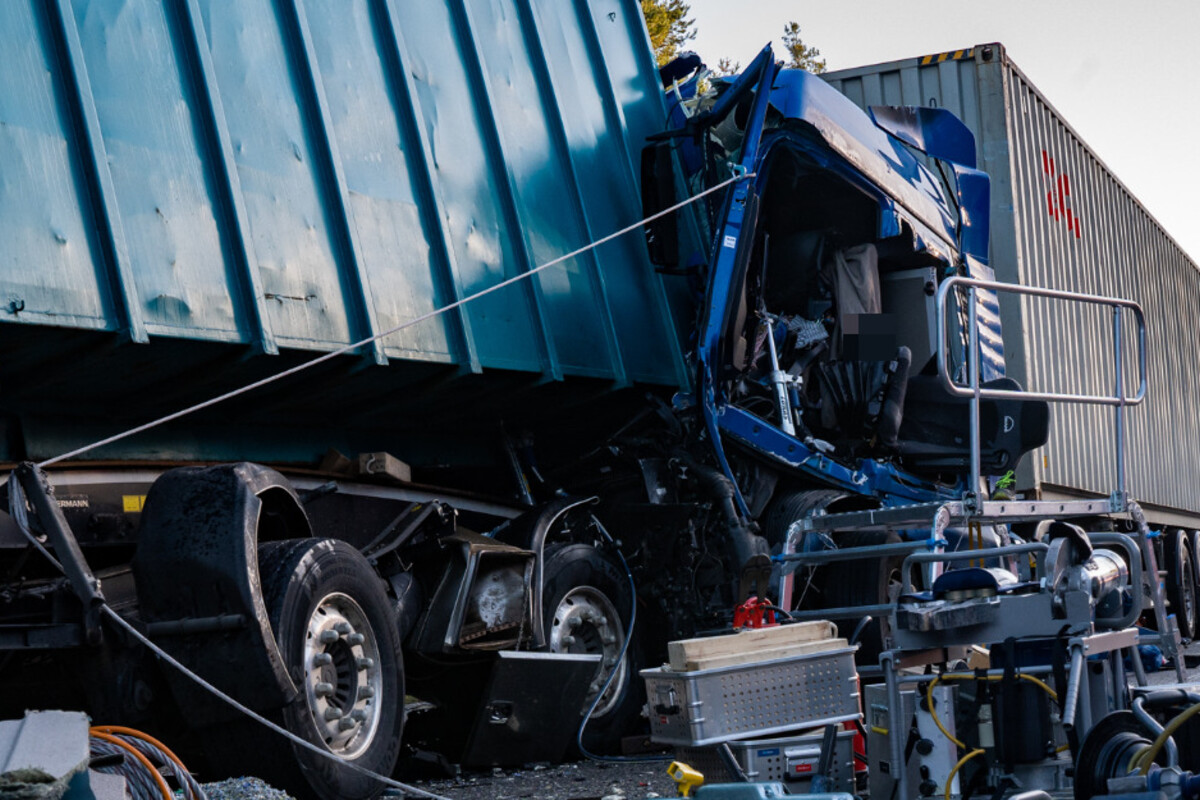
column 586, row 622
column 342, row 678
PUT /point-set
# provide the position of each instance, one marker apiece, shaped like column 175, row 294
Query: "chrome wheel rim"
column 586, row 622
column 342, row 677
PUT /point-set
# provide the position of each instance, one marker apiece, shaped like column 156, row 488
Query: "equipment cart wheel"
column 586, row 604
column 1181, row 581
column 336, row 631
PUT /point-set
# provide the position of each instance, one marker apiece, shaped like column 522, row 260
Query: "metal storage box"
column 708, row 706
column 1061, row 219
column 190, row 188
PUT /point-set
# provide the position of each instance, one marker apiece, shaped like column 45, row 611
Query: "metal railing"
column 972, row 389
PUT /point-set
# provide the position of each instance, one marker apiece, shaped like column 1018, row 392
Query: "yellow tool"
column 685, row 778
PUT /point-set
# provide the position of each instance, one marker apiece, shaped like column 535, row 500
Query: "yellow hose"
column 1145, row 757
column 957, row 767
column 933, row 712
column 959, row 676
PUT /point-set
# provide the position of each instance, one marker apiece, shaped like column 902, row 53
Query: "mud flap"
column 198, row 586
column 482, row 602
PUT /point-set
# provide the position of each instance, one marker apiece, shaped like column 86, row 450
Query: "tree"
column 727, row 66
column 669, row 26
column 802, row 56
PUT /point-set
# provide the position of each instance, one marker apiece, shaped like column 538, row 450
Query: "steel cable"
column 158, row 752
column 395, row 329
column 18, row 500
column 142, row 777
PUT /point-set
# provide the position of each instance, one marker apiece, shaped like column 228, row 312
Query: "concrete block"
column 41, row 753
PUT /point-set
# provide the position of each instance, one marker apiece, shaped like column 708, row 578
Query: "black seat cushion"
column 935, row 432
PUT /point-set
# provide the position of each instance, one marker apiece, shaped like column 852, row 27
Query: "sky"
column 1122, row 73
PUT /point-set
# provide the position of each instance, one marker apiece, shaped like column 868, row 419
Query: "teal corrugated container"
column 197, row 193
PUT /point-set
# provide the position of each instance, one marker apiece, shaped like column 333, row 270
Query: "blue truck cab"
column 815, row 349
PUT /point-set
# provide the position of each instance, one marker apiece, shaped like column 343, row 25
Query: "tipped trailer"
column 666, row 423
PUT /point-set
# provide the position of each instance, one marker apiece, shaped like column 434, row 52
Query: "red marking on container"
column 1058, row 203
column 804, row 768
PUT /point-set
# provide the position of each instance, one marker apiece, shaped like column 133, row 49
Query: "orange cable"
column 145, row 737
column 145, row 762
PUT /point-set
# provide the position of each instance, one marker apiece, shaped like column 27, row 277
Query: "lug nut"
column 343, row 628
column 574, row 622
column 323, row 689
column 345, row 724
column 358, row 715
column 322, row 660
column 568, row 639
column 332, row 713
column 355, row 639
column 365, row 691
column 364, row 663
column 327, row 637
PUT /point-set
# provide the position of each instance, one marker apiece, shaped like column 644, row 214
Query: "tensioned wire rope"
column 332, row 354
column 16, row 498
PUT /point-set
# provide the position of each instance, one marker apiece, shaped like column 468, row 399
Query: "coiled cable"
column 143, row 761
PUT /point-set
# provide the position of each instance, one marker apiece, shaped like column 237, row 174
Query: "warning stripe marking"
column 953, row 55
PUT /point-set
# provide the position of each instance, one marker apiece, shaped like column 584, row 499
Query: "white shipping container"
column 1061, row 219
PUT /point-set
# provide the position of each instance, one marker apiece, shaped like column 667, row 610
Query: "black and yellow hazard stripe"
column 953, row 55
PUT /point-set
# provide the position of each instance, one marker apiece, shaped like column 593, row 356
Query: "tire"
column 586, row 605
column 864, row 581
column 1181, row 582
column 337, row 633
column 788, row 507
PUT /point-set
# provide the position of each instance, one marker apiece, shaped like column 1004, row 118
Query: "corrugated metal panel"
column 228, row 180
column 304, row 173
column 1061, row 219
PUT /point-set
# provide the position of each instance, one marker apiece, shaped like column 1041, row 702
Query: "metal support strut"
column 36, row 488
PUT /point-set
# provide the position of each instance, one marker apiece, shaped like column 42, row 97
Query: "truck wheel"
column 864, row 581
column 337, row 633
column 586, row 604
column 1181, row 582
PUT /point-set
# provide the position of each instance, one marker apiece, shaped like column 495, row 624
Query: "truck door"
column 724, row 299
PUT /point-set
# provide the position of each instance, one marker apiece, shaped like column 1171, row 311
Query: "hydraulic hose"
column 743, row 541
column 1142, row 761
column 620, row 659
column 953, row 739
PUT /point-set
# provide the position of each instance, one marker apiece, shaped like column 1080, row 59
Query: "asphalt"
column 581, row 780
column 586, row 780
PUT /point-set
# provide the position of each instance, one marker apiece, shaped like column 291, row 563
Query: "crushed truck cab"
column 816, row 321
